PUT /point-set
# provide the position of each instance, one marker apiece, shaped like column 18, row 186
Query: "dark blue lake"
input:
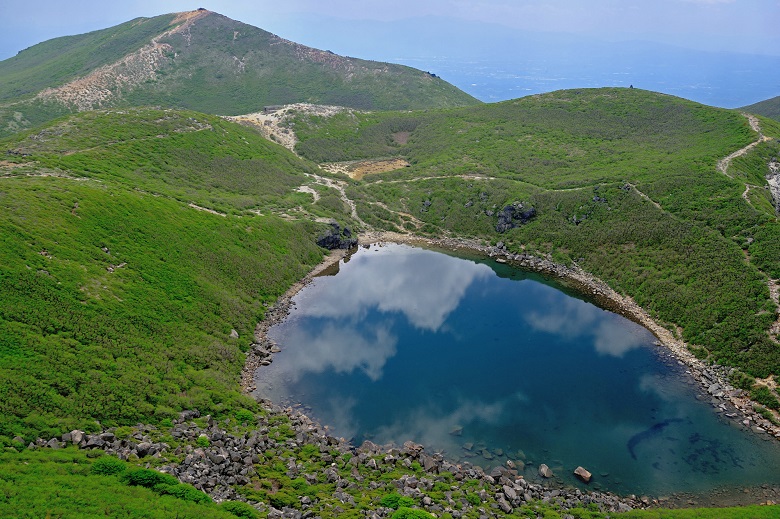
column 487, row 363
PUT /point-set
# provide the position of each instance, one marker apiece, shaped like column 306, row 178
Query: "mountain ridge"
column 203, row 61
column 768, row 108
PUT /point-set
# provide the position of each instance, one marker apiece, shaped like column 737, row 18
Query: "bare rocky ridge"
column 105, row 84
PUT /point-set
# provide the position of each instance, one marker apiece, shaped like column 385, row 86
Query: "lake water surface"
column 486, row 363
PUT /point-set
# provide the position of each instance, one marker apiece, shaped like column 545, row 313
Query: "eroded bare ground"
column 339, row 186
column 101, row 85
column 357, row 169
column 206, row 210
column 272, row 123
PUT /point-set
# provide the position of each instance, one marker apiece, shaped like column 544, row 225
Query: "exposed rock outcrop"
column 337, row 238
column 512, row 216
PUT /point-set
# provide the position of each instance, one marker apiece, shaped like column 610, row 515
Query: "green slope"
column 769, row 108
column 624, row 183
column 206, row 62
column 55, row 62
column 117, row 297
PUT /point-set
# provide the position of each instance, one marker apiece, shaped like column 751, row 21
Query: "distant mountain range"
column 203, row 61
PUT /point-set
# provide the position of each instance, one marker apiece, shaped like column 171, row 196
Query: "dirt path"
column 646, row 197
column 340, row 187
column 723, row 164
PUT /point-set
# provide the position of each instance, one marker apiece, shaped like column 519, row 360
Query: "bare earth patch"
column 359, row 168
column 272, row 122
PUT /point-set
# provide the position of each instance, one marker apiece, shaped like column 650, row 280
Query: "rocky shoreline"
column 224, row 460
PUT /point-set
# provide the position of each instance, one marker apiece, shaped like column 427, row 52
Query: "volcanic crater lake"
column 487, row 363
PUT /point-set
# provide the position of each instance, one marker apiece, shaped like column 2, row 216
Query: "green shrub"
column 410, row 513
column 766, row 413
column 473, row 498
column 742, row 380
column 396, row 501
column 148, row 478
column 282, row 499
column 123, row 432
column 183, row 491
column 108, row 466
column 763, row 395
column 239, row 509
column 245, row 416
column 203, row 441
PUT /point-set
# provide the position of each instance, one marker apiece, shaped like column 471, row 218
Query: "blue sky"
column 741, row 25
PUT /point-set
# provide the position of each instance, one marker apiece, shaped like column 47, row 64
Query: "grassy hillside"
column 134, row 241
column 624, row 182
column 117, row 296
column 55, row 62
column 201, row 61
column 769, row 108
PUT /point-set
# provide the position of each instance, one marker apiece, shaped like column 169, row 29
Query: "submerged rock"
column 545, row 471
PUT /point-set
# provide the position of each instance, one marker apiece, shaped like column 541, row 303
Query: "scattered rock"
column 583, row 474
column 545, row 471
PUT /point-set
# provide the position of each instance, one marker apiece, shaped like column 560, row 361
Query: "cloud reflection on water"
column 572, row 318
column 432, row 424
column 338, row 349
column 425, row 292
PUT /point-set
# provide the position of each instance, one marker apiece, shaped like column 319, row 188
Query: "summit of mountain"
column 203, row 61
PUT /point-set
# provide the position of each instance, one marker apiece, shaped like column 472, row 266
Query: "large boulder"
column 513, row 215
column 545, row 471
column 583, row 474
column 337, row 238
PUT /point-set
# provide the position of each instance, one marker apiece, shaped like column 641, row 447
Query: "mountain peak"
column 204, row 61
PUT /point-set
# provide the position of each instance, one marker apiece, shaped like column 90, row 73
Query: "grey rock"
column 545, row 471
column 142, row 449
column 509, row 492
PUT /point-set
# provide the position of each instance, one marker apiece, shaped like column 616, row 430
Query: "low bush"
column 108, row 466
column 183, row 491
column 148, row 478
column 410, row 513
column 396, row 501
column 239, row 509
column 764, row 396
